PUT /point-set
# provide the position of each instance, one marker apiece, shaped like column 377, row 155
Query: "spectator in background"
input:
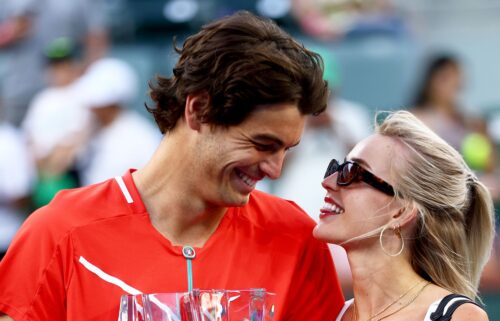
column 16, row 177
column 57, row 125
column 28, row 27
column 122, row 138
column 438, row 105
column 337, row 19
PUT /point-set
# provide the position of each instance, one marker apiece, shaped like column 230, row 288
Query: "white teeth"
column 333, row 208
column 249, row 181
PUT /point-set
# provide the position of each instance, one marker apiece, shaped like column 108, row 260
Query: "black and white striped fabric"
column 441, row 310
column 447, row 306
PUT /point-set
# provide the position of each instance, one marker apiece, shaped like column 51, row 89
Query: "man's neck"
column 175, row 210
column 181, row 229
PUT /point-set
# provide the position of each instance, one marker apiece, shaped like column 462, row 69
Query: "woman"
column 416, row 224
column 438, row 105
column 437, row 102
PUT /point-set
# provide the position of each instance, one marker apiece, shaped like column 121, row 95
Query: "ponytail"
column 479, row 227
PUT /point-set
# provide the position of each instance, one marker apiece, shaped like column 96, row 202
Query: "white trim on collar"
column 124, row 189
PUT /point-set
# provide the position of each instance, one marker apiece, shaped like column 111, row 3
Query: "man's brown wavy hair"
column 240, row 62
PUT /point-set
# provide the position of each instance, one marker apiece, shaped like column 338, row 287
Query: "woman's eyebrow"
column 361, row 162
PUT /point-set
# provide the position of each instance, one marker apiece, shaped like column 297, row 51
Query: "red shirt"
column 73, row 259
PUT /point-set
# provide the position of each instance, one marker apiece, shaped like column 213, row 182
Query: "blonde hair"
column 455, row 224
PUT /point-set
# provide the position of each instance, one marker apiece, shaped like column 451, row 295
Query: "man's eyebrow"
column 361, row 162
column 273, row 139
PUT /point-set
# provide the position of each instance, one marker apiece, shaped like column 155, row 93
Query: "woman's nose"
column 330, row 182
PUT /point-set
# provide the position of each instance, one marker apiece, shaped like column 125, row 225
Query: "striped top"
column 432, row 308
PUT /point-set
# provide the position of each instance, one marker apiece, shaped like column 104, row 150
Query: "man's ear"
column 406, row 214
column 195, row 105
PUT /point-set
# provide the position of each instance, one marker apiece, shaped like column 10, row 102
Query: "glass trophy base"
column 199, row 305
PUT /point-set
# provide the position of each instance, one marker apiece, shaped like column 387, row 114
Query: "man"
column 191, row 218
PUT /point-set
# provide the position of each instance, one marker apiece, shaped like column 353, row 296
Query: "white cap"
column 106, row 82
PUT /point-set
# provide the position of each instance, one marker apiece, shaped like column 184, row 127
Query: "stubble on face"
column 230, row 161
column 213, row 169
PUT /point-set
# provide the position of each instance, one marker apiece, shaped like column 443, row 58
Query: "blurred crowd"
column 66, row 118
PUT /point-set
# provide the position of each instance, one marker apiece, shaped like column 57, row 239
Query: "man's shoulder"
column 80, row 206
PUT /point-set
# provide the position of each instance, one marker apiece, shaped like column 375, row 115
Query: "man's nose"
column 273, row 165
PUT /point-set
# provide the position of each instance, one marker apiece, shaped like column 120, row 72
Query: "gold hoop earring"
column 397, row 231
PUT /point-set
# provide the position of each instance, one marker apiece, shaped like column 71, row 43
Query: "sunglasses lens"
column 348, row 173
column 332, row 168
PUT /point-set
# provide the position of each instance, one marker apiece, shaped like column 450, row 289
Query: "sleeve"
column 36, row 270
column 316, row 294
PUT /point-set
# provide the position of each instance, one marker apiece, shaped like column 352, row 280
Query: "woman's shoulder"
column 468, row 312
column 455, row 307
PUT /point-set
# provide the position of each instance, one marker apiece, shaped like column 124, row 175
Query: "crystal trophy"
column 199, row 305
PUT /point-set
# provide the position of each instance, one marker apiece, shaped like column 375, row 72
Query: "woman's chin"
column 321, row 233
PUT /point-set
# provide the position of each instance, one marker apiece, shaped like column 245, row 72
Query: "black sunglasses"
column 350, row 172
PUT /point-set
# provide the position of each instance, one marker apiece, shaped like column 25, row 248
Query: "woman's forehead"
column 378, row 152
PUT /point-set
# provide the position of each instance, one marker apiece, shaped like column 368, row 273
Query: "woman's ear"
column 405, row 214
column 195, row 105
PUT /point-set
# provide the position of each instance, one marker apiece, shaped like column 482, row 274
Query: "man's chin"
column 244, row 201
column 239, row 200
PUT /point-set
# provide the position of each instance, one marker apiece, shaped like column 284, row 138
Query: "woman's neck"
column 381, row 282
